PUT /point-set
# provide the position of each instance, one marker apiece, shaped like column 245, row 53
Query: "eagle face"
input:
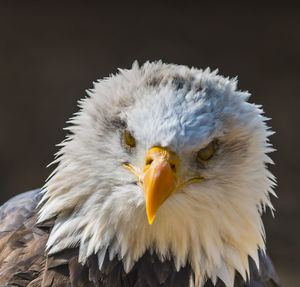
column 166, row 159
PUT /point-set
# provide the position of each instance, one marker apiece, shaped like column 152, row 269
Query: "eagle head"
column 166, row 159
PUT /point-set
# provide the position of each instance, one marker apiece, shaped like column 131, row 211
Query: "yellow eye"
column 207, row 152
column 129, row 139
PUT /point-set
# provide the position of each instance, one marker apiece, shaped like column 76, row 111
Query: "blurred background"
column 51, row 51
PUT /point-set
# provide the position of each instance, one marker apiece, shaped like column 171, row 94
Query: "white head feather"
column 214, row 225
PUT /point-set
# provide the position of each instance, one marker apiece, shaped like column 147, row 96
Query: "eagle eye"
column 129, row 140
column 207, row 152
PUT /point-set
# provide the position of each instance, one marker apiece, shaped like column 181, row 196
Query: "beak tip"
column 151, row 219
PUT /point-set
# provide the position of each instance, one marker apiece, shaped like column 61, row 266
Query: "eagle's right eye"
column 129, row 140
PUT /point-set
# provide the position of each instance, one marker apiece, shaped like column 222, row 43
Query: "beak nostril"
column 173, row 166
column 148, row 161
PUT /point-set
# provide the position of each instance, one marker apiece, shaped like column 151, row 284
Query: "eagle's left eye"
column 207, row 152
column 129, row 140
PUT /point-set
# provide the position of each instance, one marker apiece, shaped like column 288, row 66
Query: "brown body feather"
column 24, row 262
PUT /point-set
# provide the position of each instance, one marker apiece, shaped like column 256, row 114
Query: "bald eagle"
column 161, row 181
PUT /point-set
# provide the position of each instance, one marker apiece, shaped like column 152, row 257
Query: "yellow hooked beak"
column 159, row 178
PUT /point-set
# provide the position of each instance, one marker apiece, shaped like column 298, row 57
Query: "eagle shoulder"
column 22, row 242
column 17, row 210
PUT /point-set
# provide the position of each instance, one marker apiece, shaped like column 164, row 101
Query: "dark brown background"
column 51, row 51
